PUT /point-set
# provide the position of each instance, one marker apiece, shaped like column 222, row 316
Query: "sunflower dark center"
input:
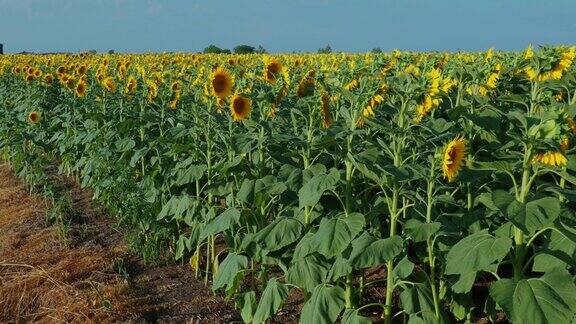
column 239, row 106
column 219, row 83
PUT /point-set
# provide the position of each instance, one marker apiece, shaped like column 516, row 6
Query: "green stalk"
column 519, row 246
column 430, row 243
column 390, row 263
column 398, row 146
column 349, row 293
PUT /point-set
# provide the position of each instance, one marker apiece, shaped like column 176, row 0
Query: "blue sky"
column 283, row 25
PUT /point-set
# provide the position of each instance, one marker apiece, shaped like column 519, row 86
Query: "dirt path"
column 83, row 272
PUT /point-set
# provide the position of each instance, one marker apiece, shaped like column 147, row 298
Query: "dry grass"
column 45, row 279
column 40, row 278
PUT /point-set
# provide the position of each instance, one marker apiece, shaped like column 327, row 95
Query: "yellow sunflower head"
column 109, row 85
column 222, row 83
column 48, row 79
column 272, row 68
column 453, row 157
column 80, row 89
column 34, row 117
column 131, row 85
column 550, row 158
column 240, row 107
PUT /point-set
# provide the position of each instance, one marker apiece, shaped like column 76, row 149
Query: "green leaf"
column 307, row 272
column 246, row 302
column 403, row 268
column 334, row 235
column 534, row 215
column 464, row 283
column 324, row 305
column 548, row 299
column 417, row 298
column 352, row 317
column 271, row 301
column 476, row 252
column 190, row 174
column 378, row 252
column 559, row 253
column 246, row 192
column 221, row 223
column 310, row 193
column 340, row 268
column 281, row 232
column 419, row 231
column 230, row 271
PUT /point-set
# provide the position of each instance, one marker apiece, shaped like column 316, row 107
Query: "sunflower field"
column 402, row 187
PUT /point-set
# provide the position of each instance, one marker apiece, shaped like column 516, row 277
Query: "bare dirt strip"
column 86, row 273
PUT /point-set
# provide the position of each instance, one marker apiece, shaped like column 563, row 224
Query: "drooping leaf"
column 378, row 252
column 247, row 304
column 271, row 301
column 230, row 271
column 324, row 305
column 307, row 272
column 312, row 191
column 334, row 235
column 282, row 232
column 221, row 223
column 352, row 317
column 420, row 231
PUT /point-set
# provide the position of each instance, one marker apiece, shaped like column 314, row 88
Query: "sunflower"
column 306, row 85
column 550, row 158
column 240, row 107
column 453, row 157
column 109, row 85
column 48, row 78
column 131, row 85
column 80, row 89
column 222, row 83
column 34, row 117
column 152, row 90
column 272, row 68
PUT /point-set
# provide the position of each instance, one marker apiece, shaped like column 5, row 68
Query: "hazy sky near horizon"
column 283, row 25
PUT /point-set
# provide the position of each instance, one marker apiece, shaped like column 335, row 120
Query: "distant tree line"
column 240, row 49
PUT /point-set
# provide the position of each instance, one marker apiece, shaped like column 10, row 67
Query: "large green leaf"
column 221, row 223
column 324, row 305
column 420, row 231
column 548, row 299
column 534, row 215
column 378, row 252
column 476, row 252
column 334, row 235
column 311, row 191
column 307, row 272
column 271, row 301
column 352, row 317
column 559, row 252
column 281, row 232
column 230, row 272
column 247, row 304
column 417, row 298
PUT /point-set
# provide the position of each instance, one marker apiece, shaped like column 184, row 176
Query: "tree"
column 376, row 50
column 111, row 52
column 213, row 49
column 261, row 50
column 244, row 49
column 325, row 50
